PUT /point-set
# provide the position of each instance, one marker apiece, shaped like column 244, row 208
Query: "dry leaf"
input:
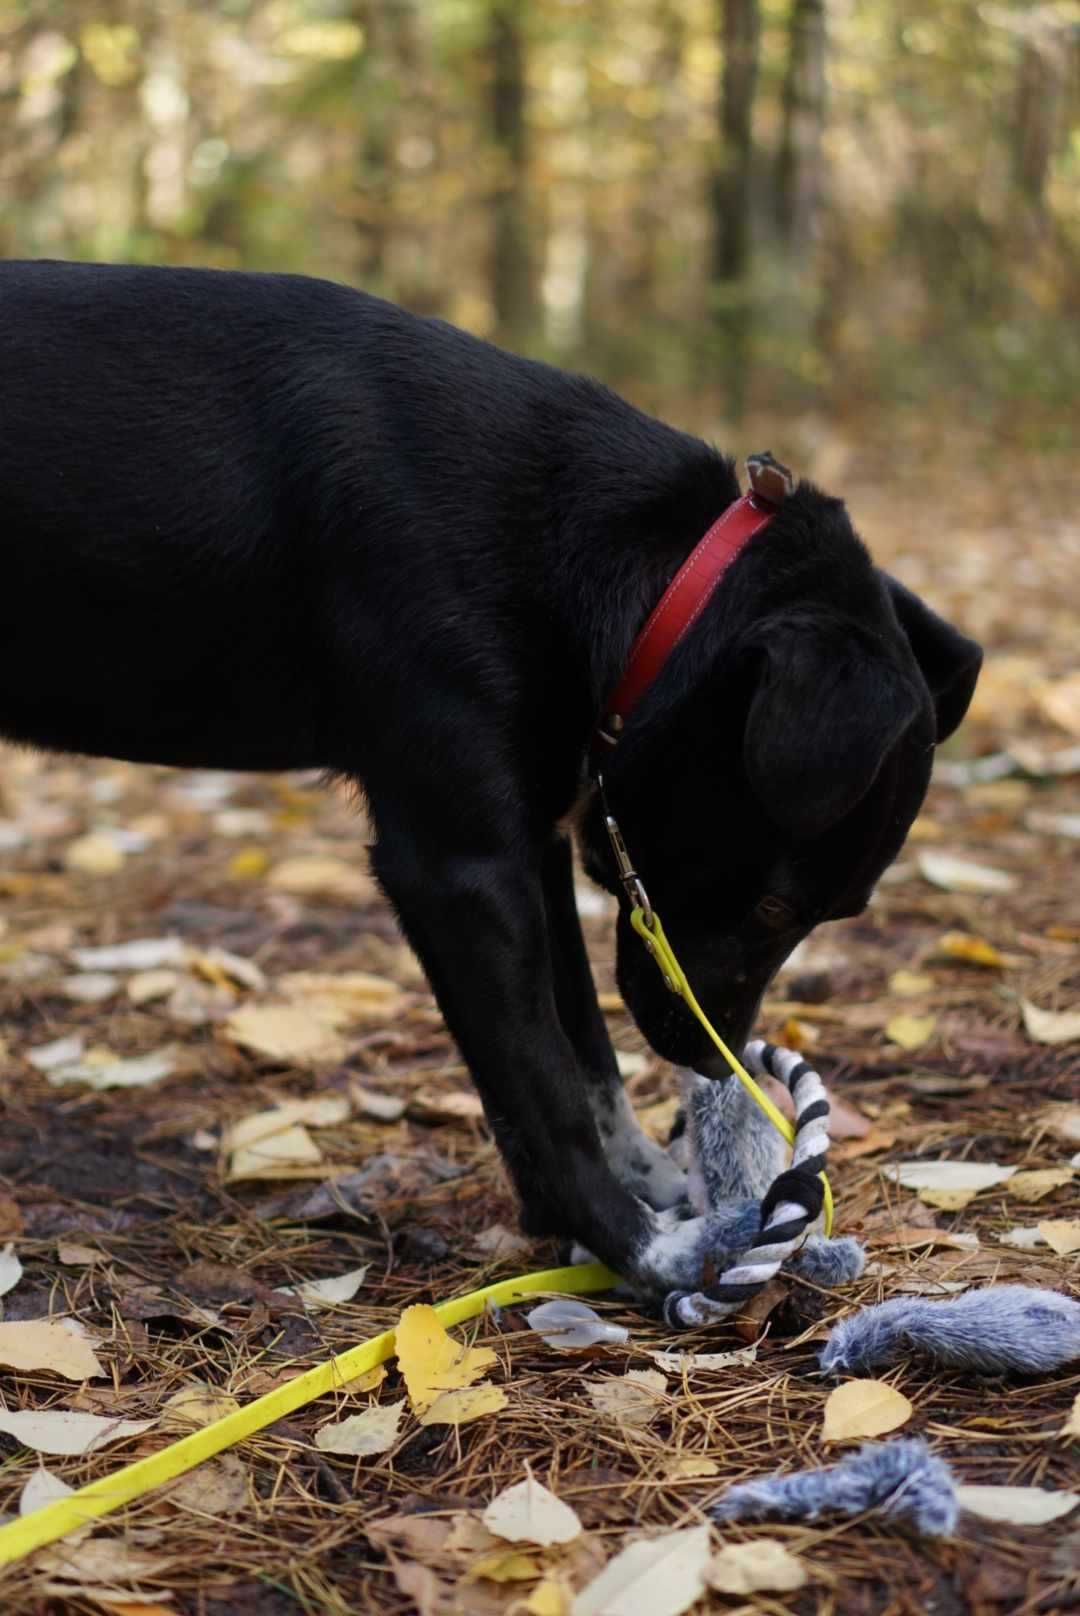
column 365, row 1382
column 550, row 1598
column 911, row 984
column 146, row 986
column 318, row 1293
column 371, row 1103
column 142, row 954
column 42, row 1488
column 750, row 1322
column 1072, row 1424
column 948, row 1175
column 249, row 864
column 10, row 1270
column 947, row 1200
column 344, row 999
column 288, row 1033
column 458, row 1408
column 60, row 1052
column 910, row 1032
column 321, row 876
column 761, row 1566
column 101, row 1069
column 507, row 1565
column 862, row 1408
column 962, row 945
column 446, row 1105
column 1062, row 1234
column 911, row 1235
column 1019, row 1506
column 97, row 853
column 220, row 1486
column 323, row 1111
column 678, row 1363
column 197, row 1405
column 499, row 1242
column 960, row 875
column 275, row 1156
column 876, row 1140
column 1036, row 1185
column 662, row 1576
column 1050, row 1026
column 361, row 1435
column 1063, row 1121
column 528, row 1513
column 1059, row 700
column 73, row 1256
column 61, row 1430
column 90, row 987
column 58, row 1345
column 692, row 1469
column 632, row 1399
column 570, row 1325
column 431, row 1361
column 1022, row 1239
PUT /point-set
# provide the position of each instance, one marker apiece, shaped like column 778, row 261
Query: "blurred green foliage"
column 896, row 220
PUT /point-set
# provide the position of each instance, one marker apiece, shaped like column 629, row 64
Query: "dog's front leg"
column 637, row 1162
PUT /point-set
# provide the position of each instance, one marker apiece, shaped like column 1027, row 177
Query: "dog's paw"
column 638, row 1162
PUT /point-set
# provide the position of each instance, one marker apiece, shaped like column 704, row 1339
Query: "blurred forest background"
column 720, row 206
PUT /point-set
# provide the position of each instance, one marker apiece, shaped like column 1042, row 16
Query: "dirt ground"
column 126, row 1210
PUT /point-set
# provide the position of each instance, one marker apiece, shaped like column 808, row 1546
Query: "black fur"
column 265, row 522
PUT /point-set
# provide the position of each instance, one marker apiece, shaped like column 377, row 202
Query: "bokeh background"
column 721, row 206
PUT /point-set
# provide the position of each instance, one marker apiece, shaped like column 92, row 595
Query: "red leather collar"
column 681, row 604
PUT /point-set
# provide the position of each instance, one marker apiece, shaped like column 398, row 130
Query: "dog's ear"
column 826, row 710
column 949, row 661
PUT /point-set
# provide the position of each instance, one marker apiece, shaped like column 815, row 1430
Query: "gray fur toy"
column 994, row 1331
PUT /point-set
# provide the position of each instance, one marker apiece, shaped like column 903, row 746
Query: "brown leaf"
column 748, row 1324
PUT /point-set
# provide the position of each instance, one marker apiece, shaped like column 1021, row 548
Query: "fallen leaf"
column 318, row 1293
column 459, row 1407
column 663, row 1576
column 288, row 1033
column 912, row 1235
column 10, row 1270
column 322, row 1111
column 275, row 1155
column 371, row 1103
column 1050, row 1026
column 845, row 1122
column 877, row 1139
column 631, row 1399
column 77, row 1256
column 507, row 1565
column 947, row 1200
column 100, row 1069
column 446, row 1105
column 220, row 1486
column 948, row 1175
column 761, row 1566
column 345, row 999
column 1062, row 1234
column 1072, row 1424
column 146, row 986
column 751, row 1321
column 1038, row 1184
column 862, row 1408
column 197, row 1405
column 316, row 875
column 1023, row 1239
column 570, row 1325
column 94, row 854
column 419, row 1534
column 679, row 1363
column 54, row 1344
column 1059, row 700
column 631, row 1062
column 61, row 1052
column 959, row 875
column 527, row 1512
column 42, row 1488
column 1019, row 1506
column 61, row 1430
column 1054, row 824
column 550, row 1598
column 1063, row 1121
column 420, row 1585
column 141, row 954
column 499, row 1242
column 99, row 1568
column 692, row 1468
column 90, row 987
column 911, row 984
column 362, row 1435
column 910, row 1032
column 431, row 1361
column 971, row 950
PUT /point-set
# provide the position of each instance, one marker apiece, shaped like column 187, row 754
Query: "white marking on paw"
column 636, row 1160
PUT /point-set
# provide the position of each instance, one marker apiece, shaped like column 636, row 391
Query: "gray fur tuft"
column 1005, row 1328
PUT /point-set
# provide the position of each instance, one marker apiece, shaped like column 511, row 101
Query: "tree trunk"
column 798, row 163
column 511, row 279
column 740, row 24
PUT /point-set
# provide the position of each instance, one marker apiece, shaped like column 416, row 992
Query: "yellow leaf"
column 431, row 1361
column 276, row 1156
column 549, row 1599
column 632, row 1399
column 1036, row 1185
column 322, row 876
column 343, row 999
column 367, row 1382
column 249, row 864
column 690, row 1469
column 1063, row 1234
column 94, row 854
column 798, row 1035
column 910, row 1032
column 962, row 945
column 289, row 1033
column 55, row 1344
column 197, row 1405
column 911, row 984
column 762, row 1565
column 864, row 1408
column 505, row 1566
column 458, row 1408
column 947, row 1200
column 361, row 1435
column 1072, row 1424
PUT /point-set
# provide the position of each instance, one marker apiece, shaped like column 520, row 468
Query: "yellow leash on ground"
column 652, row 934
column 55, row 1520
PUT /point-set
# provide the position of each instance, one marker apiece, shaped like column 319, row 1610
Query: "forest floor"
column 130, row 1212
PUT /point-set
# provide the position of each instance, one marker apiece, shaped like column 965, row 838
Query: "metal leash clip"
column 637, row 897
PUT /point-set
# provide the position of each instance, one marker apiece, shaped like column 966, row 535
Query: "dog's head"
column 773, row 771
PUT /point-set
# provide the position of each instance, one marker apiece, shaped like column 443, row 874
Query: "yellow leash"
column 652, row 934
column 99, row 1498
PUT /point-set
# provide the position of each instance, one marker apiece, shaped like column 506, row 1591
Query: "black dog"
column 265, row 522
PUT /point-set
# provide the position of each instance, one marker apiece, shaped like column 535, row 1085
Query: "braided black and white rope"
column 791, row 1206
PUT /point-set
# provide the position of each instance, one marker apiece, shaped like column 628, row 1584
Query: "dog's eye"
column 775, row 913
